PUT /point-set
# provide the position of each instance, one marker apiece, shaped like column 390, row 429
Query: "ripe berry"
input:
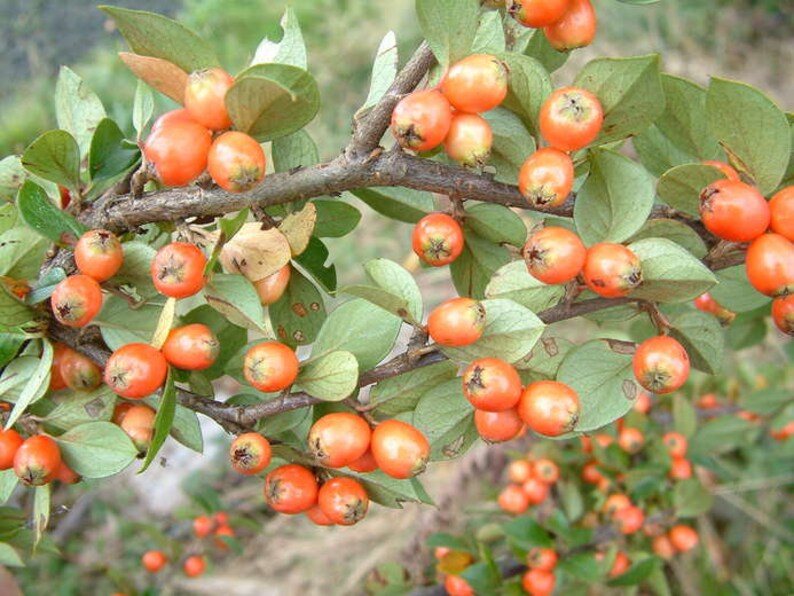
column 364, row 464
column 549, row 408
column 457, row 322
column 178, row 152
column 469, row 140
column 642, row 403
column 291, row 489
column 98, row 254
column 770, row 265
column 492, row 385
column 421, row 120
column 272, row 287
column 37, row 460
column 611, row 270
column 339, row 439
column 707, row 304
column 203, row 526
column 546, row 178
column 683, row 538
column 76, row 300
column 270, row 366
column 727, row 170
column 343, row 500
column 135, row 370
column 662, row 547
column 79, row 372
column 537, row 13
column 138, row 423
column 546, row 471
column 223, row 531
column 56, row 379
column 236, row 161
column 661, row 364
column 318, row 517
column 615, row 503
column 554, row 255
column 204, row 97
column 250, row 453
column 571, row 118
column 783, row 313
column 734, row 211
column 455, row 585
column 513, row 499
column 591, row 474
column 537, row 582
column 10, row 442
column 66, row 475
column 400, row 449
column 476, row 84
column 192, row 347
column 680, row 469
column 631, row 440
column 781, row 207
column 629, row 519
column 178, row 116
column 178, row 270
column 620, row 565
column 437, row 239
column 154, row 560
column 541, row 558
column 576, row 29
column 675, row 443
column 497, row 427
column 519, row 471
column 194, row 566
column 535, row 490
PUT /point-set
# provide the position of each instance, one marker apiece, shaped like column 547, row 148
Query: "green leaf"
column 8, row 482
column 41, row 214
column 142, row 107
column 746, row 330
column 511, row 331
column 395, row 280
column 163, row 421
column 109, row 160
column 330, row 377
column 529, row 86
column 483, row 577
column 680, row 187
column 752, row 130
column 36, row 385
column 600, row 373
column 120, row 324
column 390, row 492
column 690, row 498
column 8, row 216
column 9, row 556
column 703, row 338
column 136, row 270
column 539, row 48
column 235, row 298
column 674, row 230
column 636, row 573
column 12, row 175
column 684, row 416
column 630, row 92
column 154, row 35
column 512, row 143
column 269, row 101
column 41, row 511
column 81, row 407
column 300, row 312
column 734, row 292
column 449, row 26
column 657, row 153
column 684, row 121
column 582, row 566
column 314, row 259
column 765, row 401
column 9, row 346
column 446, row 418
column 402, row 204
column 14, row 314
column 545, row 359
column 720, row 435
column 290, row 50
column 497, row 223
column 525, row 533
column 514, row 282
column 187, row 430
column 16, row 375
column 401, row 393
column 480, row 259
column 384, row 70
column 490, row 35
column 669, row 272
column 297, row 150
column 615, row 201
column 97, row 449
column 54, row 156
column 361, row 328
column 77, row 108
column 335, row 218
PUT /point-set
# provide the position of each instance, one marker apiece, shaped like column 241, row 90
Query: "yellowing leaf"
column 162, row 75
column 255, row 253
column 298, row 228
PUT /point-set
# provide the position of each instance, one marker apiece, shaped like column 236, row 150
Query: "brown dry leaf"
column 298, row 228
column 255, row 253
column 162, row 75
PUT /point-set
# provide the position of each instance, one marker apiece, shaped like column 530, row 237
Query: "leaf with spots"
column 300, row 312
